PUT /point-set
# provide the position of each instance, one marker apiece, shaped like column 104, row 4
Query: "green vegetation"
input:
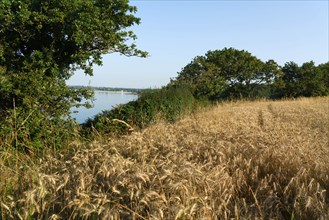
column 41, row 44
column 233, row 160
column 306, row 80
column 46, row 41
column 166, row 103
column 236, row 160
column 236, row 74
column 111, row 89
column 227, row 74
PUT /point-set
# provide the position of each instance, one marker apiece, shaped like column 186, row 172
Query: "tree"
column 323, row 72
column 306, row 80
column 43, row 42
column 228, row 73
column 202, row 78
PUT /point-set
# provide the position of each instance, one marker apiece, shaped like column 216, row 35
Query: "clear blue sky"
column 174, row 32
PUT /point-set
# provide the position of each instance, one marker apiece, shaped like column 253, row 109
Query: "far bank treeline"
column 219, row 75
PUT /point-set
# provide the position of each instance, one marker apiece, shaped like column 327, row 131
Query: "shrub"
column 32, row 131
column 168, row 103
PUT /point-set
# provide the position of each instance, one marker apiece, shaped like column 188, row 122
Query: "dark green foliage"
column 33, row 131
column 41, row 44
column 168, row 103
column 227, row 74
column 236, row 74
column 306, row 80
column 60, row 34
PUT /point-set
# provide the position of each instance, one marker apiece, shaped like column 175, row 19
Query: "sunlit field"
column 237, row 160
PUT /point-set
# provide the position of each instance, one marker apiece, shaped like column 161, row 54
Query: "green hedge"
column 168, row 103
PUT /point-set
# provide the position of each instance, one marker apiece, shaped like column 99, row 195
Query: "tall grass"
column 238, row 160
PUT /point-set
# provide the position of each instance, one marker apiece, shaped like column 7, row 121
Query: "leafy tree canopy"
column 43, row 42
column 68, row 34
column 227, row 73
column 306, row 80
column 232, row 73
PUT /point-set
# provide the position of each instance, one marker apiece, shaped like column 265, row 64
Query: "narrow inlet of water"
column 104, row 100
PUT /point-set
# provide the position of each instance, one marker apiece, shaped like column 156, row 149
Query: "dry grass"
column 244, row 160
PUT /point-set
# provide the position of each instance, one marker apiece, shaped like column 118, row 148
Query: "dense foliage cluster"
column 219, row 75
column 167, row 103
column 234, row 74
column 41, row 44
column 306, row 80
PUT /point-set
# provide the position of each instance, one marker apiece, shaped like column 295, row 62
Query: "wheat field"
column 237, row 160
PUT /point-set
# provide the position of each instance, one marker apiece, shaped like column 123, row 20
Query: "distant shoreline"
column 116, row 92
column 112, row 90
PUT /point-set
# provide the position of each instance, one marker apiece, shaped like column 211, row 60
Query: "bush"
column 32, row 131
column 168, row 103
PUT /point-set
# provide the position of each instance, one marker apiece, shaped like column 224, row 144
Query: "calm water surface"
column 103, row 101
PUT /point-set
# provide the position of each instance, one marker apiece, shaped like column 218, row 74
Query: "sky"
column 174, row 32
